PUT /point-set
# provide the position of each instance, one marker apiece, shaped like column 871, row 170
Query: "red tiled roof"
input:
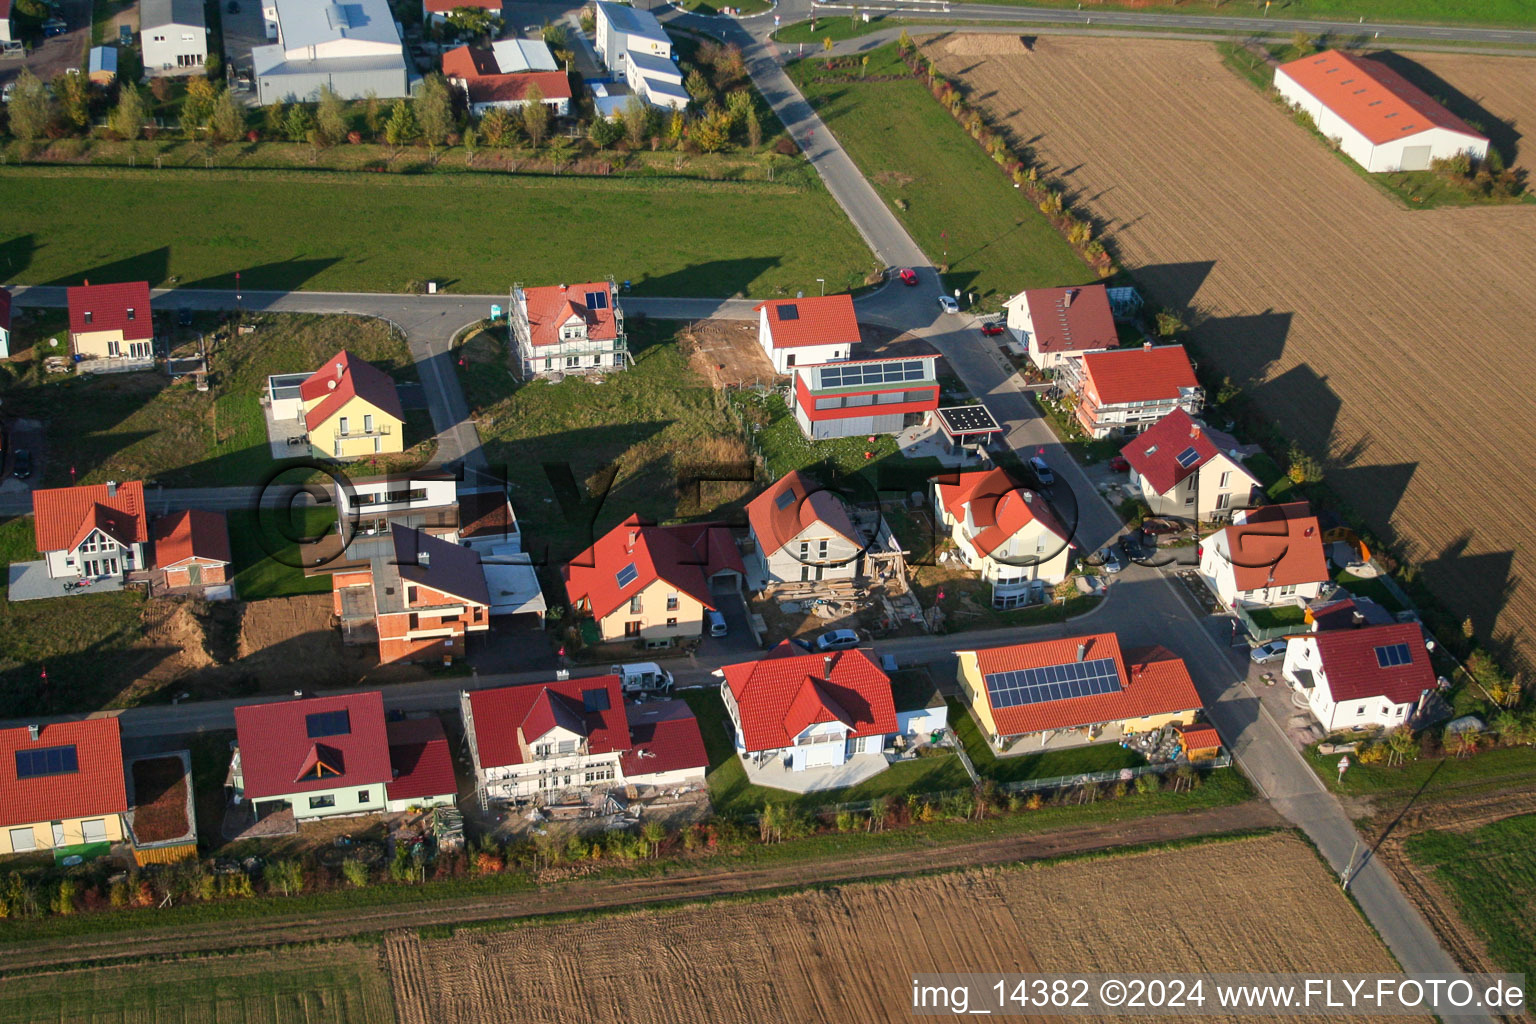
column 468, row 61
column 1277, row 546
column 663, row 737
column 1138, row 374
column 498, row 715
column 774, row 526
column 1373, row 99
column 449, row 6
column 1154, row 453
column 342, row 378
column 420, row 759
column 819, row 320
column 780, row 694
column 194, row 533
column 999, row 507
column 277, row 752
column 1199, row 736
column 95, row 789
column 1152, row 680
column 108, row 305
column 65, row 516
column 5, row 295
column 552, row 306
column 1341, row 614
column 684, row 556
column 1082, row 323
column 1349, row 660
column 485, row 514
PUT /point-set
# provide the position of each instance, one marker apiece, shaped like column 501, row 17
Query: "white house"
column 1380, row 119
column 563, row 741
column 802, row 532
column 657, row 80
column 858, row 397
column 567, row 329
column 316, row 757
column 809, row 710
column 91, row 530
column 353, row 47
column 173, row 35
column 1182, row 468
column 1269, row 556
column 1005, row 531
column 1054, row 324
column 806, row 331
column 487, row 83
column 1370, row 677
column 621, row 28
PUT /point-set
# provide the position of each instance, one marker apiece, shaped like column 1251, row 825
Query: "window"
column 572, row 362
column 672, row 621
column 1189, row 500
column 378, row 445
column 1399, row 711
column 1225, row 478
column 598, row 775
column 567, row 746
column 89, row 316
column 1288, row 590
column 542, row 750
column 1360, row 710
column 789, row 360
column 317, row 803
column 94, row 830
column 367, row 422
column 362, row 796
column 138, row 349
column 858, row 400
column 672, row 602
column 114, row 348
column 635, row 606
column 548, row 363
column 1223, row 501
column 631, row 629
column 1040, row 544
column 821, row 550
column 889, row 398
column 829, row 403
column 344, row 427
column 130, row 312
column 22, row 840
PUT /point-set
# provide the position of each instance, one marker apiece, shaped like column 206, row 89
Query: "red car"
column 908, row 276
column 992, row 329
column 1119, row 465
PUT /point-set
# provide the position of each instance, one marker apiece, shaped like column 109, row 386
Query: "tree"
column 535, row 115
column 637, row 121
column 434, row 110
column 372, row 114
column 904, row 42
column 28, row 108
column 739, row 103
column 677, row 124
column 33, row 9
column 560, row 152
column 331, row 116
column 553, row 35
column 74, row 97
column 698, row 87
column 474, row 22
column 127, row 118
column 603, row 132
column 588, row 20
column 274, row 120
column 826, row 44
column 471, row 144
column 754, row 129
column 712, row 133
column 227, row 122
column 401, row 129
column 197, row 108
column 496, row 128
column 299, row 123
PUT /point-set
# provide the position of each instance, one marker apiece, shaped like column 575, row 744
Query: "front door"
column 195, row 574
column 58, row 833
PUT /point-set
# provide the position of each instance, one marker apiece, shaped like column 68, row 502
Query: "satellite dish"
column 53, row 342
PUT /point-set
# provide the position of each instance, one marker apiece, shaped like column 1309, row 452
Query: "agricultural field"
column 792, row 957
column 1443, row 12
column 200, row 227
column 291, row 986
column 1324, row 298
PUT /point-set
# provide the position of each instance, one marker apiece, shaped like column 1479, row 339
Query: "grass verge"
column 1427, row 776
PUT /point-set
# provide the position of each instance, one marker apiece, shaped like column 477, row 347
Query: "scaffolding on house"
column 555, row 356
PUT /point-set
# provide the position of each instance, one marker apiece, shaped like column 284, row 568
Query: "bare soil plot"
column 1394, row 340
column 726, row 353
column 848, row 953
column 160, row 799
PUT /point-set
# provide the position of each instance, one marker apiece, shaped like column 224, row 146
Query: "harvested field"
column 848, row 953
column 1489, row 83
column 1379, row 336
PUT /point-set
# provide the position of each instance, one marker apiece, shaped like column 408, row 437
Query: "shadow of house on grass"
column 710, row 279
column 1501, row 133
column 1481, row 584
column 153, row 266
column 16, row 256
column 87, row 680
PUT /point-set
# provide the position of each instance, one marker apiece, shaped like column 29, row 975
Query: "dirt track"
column 1393, row 339
column 588, row 894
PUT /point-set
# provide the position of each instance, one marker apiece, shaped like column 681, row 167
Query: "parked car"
column 184, row 317
column 716, row 622
column 125, row 35
column 1119, row 465
column 1265, row 653
column 948, row 305
column 1156, row 526
column 5, row 93
column 1131, row 545
column 642, row 677
column 991, row 329
column 1042, row 471
column 54, row 27
column 1113, row 560
column 21, row 465
column 908, row 276
column 837, row 640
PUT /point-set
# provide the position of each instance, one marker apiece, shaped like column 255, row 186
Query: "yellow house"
column 61, row 785
column 1074, row 691
column 111, row 322
column 652, row 584
column 351, row 409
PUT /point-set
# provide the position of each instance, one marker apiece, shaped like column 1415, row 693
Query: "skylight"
column 597, row 300
column 789, row 311
column 328, row 723
column 785, row 500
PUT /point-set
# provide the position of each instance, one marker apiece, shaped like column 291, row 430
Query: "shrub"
column 1034, row 802
column 236, row 886
column 786, row 146
column 285, row 877
column 354, row 872
column 63, row 901
column 1148, row 783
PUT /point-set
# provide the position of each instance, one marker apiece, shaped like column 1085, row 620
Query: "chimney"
column 339, row 369
column 1082, row 651
column 826, row 666
column 32, row 732
column 1194, row 431
column 629, row 545
column 1147, row 345
column 111, row 488
column 1066, row 300
column 1357, row 620
column 330, row 385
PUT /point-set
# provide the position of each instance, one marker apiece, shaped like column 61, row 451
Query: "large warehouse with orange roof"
column 1381, row 120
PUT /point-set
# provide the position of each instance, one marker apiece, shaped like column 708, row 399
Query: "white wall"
column 786, row 359
column 1205, row 486
column 164, row 44
column 923, row 721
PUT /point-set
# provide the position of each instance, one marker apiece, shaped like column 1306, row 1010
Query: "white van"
column 642, row 677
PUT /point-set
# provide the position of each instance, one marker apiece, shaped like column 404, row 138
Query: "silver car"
column 1266, row 653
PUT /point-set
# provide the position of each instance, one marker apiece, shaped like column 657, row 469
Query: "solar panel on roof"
column 1053, row 682
column 1393, row 655
column 41, row 761
column 786, row 499
column 597, row 300
column 968, row 419
column 627, row 575
column 594, row 700
column 898, row 371
column 328, row 723
column 1188, row 457
column 789, row 311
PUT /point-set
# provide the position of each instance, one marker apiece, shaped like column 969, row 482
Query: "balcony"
column 383, row 430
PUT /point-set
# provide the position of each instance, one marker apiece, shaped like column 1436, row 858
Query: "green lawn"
column 1100, row 757
column 1278, row 618
column 835, row 28
column 731, row 793
column 1446, row 12
column 1490, row 872
column 342, row 982
column 1504, row 765
column 960, row 207
column 1372, row 588
column 346, row 232
column 266, row 552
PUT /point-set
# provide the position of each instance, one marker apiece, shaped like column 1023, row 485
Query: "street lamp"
column 823, row 282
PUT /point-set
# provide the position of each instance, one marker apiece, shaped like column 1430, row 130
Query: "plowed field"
column 1396, row 341
column 847, row 954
